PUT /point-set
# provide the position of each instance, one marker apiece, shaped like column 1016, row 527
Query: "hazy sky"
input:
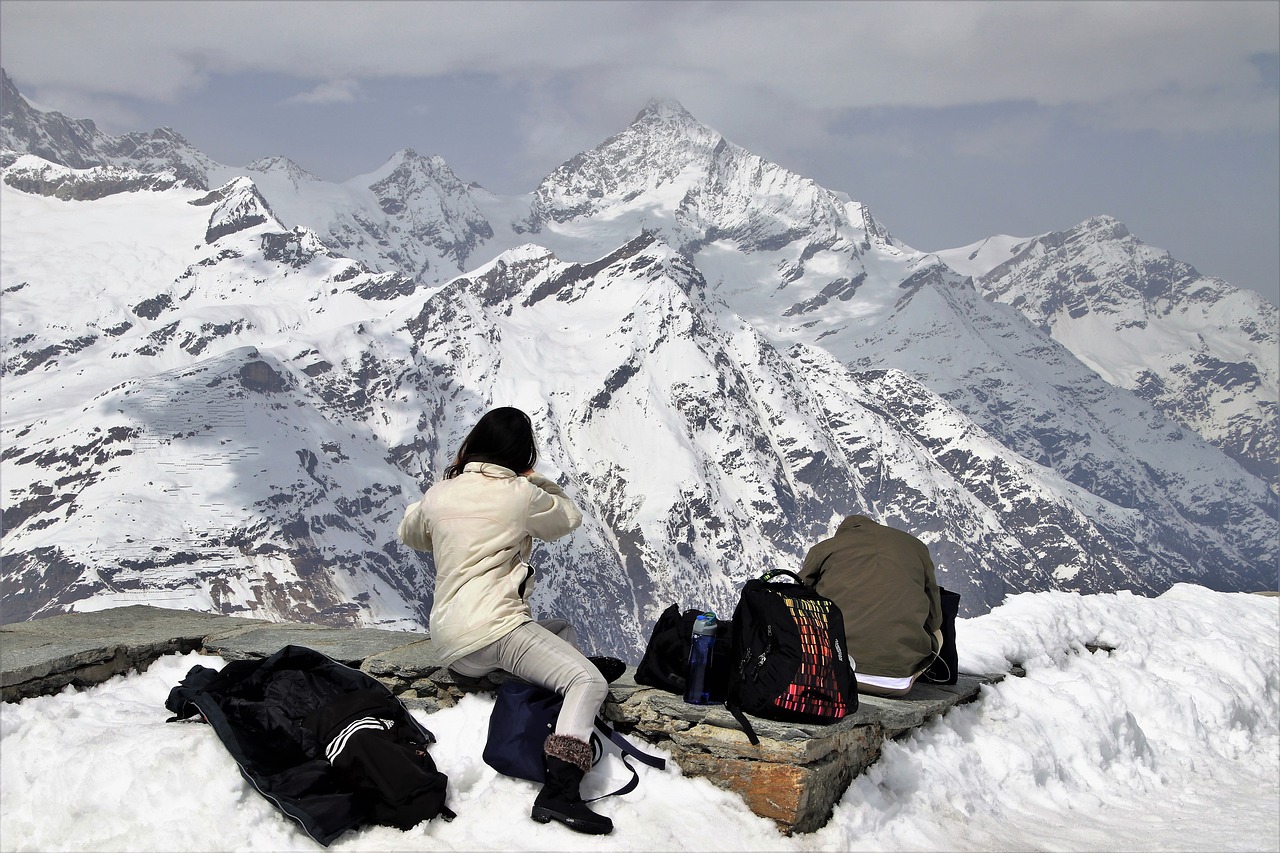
column 951, row 120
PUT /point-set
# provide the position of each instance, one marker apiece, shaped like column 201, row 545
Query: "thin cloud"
column 1018, row 135
column 329, row 92
column 826, row 55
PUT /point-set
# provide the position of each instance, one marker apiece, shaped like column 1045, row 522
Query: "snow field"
column 1169, row 742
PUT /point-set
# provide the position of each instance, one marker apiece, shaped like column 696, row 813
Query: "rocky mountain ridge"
column 259, row 402
column 1196, row 348
column 811, row 253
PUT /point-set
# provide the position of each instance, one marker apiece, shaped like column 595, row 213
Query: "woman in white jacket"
column 480, row 521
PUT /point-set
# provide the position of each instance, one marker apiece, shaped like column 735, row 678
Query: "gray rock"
column 345, row 645
column 82, row 649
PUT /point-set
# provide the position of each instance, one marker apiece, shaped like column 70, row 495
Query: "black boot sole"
column 545, row 815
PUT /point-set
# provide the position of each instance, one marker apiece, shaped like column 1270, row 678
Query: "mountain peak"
column 12, row 100
column 1103, row 226
column 239, row 206
column 10, row 88
column 404, row 161
column 666, row 110
column 52, row 136
column 279, row 164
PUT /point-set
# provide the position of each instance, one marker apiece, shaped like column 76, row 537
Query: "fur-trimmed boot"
column 568, row 760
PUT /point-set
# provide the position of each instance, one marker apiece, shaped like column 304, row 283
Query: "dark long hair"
column 502, row 436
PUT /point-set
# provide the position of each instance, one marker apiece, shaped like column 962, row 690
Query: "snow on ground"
column 1169, row 742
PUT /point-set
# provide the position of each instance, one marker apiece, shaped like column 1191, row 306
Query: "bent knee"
column 590, row 685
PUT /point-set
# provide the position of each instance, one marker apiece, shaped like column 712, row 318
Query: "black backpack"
column 944, row 667
column 789, row 659
column 665, row 663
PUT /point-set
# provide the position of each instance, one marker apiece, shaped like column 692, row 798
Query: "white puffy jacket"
column 480, row 526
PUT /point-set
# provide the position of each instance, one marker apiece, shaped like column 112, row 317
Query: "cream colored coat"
column 480, row 526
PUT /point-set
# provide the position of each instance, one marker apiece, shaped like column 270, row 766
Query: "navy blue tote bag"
column 523, row 715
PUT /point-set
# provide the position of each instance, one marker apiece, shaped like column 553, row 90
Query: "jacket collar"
column 488, row 469
column 854, row 521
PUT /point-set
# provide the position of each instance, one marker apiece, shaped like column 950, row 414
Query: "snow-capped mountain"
column 78, row 142
column 802, row 263
column 1198, row 349
column 413, row 216
column 844, row 284
column 148, row 443
column 211, row 399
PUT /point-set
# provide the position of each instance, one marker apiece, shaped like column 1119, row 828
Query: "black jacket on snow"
column 328, row 745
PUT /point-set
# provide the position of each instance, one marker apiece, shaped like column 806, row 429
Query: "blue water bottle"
column 698, row 688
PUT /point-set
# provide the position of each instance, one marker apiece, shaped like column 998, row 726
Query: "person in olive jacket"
column 885, row 585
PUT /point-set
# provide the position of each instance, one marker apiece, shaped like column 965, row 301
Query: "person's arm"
column 811, row 571
column 551, row 513
column 414, row 530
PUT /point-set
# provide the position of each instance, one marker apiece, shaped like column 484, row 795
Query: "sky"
column 952, row 121
column 1169, row 742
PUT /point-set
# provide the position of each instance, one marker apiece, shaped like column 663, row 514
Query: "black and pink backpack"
column 789, row 659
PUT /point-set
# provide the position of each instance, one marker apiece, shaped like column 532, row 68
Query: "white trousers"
column 546, row 653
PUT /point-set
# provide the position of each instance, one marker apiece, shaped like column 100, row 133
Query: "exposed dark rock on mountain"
column 222, row 394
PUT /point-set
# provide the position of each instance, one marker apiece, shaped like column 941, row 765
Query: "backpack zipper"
column 764, row 653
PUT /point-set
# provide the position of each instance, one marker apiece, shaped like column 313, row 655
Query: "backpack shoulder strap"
column 747, row 729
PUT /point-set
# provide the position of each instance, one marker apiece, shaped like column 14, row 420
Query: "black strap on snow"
column 628, row 749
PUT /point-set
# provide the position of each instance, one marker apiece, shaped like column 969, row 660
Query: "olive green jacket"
column 884, row 583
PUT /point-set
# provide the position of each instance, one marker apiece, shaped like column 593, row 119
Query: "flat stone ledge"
column 795, row 775
column 345, row 645
column 798, row 772
column 83, row 649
